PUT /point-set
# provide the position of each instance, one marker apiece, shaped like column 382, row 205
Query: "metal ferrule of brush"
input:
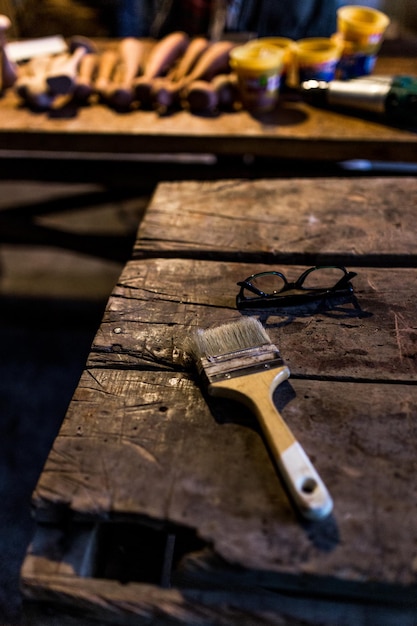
column 239, row 363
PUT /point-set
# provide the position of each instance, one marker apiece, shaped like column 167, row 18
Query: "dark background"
column 51, row 303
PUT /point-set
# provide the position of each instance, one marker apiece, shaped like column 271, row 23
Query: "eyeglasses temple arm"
column 243, row 284
column 344, row 280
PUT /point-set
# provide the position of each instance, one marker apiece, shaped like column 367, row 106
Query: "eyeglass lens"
column 268, row 283
column 323, row 278
column 271, row 283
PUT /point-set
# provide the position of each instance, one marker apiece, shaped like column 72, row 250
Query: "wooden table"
column 125, row 152
column 295, row 131
column 160, row 505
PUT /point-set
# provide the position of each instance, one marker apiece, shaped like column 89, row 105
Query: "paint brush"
column 237, row 360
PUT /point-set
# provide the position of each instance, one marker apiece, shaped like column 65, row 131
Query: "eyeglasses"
column 268, row 289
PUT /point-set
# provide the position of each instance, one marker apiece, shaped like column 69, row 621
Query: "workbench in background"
column 95, row 143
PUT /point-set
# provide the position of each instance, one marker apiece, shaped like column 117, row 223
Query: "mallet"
column 84, row 82
column 120, row 94
column 106, row 67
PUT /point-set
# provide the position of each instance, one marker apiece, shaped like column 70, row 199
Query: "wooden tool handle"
column 165, row 53
column 5, row 24
column 120, row 92
column 131, row 53
column 214, row 60
column 106, row 67
column 8, row 69
column 201, row 97
column 87, row 68
column 84, row 81
column 208, row 96
column 304, row 484
column 194, row 50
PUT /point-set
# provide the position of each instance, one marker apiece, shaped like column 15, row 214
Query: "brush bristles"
column 232, row 350
column 243, row 334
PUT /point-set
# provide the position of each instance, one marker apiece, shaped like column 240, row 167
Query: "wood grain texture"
column 143, row 444
column 202, row 464
column 367, row 221
column 158, row 303
column 74, row 601
column 93, row 602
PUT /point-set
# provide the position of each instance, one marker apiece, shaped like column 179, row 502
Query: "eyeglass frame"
column 342, row 287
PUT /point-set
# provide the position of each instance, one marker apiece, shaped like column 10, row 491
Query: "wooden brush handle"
column 304, row 484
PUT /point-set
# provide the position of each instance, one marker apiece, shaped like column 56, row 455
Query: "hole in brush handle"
column 309, row 485
column 305, row 485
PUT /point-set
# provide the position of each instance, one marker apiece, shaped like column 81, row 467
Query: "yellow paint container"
column 259, row 67
column 317, row 58
column 284, row 44
column 361, row 30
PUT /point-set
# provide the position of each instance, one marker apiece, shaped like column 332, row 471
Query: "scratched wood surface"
column 347, row 220
column 153, row 408
column 142, row 441
column 157, row 448
column 294, row 131
column 157, row 303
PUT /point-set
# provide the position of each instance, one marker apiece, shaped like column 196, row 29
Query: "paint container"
column 361, row 30
column 316, row 58
column 259, row 67
column 287, row 46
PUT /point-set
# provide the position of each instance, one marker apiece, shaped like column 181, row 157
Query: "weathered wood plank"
column 91, row 602
column 75, row 601
column 158, row 302
column 148, row 445
column 141, row 443
column 347, row 220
